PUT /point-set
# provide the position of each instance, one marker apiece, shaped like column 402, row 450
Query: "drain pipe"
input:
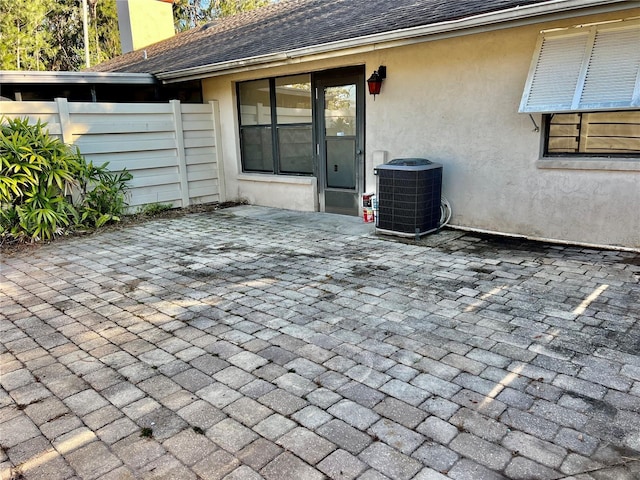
column 567, row 243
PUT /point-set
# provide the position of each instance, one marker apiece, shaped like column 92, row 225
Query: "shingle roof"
column 294, row 24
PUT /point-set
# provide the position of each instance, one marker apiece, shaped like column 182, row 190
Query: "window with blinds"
column 594, row 133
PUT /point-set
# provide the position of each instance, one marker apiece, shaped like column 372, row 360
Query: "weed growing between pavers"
column 16, row 474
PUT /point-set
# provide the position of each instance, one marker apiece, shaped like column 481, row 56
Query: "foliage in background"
column 48, row 35
column 39, row 173
column 65, row 24
column 25, row 38
column 191, row 13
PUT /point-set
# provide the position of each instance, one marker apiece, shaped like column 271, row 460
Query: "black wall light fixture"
column 375, row 80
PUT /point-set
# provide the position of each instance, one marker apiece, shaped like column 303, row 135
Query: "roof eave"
column 39, row 77
column 528, row 14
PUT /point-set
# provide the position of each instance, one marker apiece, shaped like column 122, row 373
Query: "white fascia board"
column 22, row 77
column 516, row 16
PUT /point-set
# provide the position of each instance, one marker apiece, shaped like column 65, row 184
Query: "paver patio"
column 248, row 343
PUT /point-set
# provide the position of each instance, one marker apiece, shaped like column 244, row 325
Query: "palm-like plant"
column 37, row 174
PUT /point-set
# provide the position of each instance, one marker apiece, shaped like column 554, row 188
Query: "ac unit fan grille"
column 409, row 200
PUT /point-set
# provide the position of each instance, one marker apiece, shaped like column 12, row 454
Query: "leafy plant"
column 102, row 194
column 39, row 174
column 151, row 209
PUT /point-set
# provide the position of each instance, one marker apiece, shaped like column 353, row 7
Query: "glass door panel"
column 339, row 135
column 341, row 162
column 340, row 111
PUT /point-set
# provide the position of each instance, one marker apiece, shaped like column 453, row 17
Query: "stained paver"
column 257, row 343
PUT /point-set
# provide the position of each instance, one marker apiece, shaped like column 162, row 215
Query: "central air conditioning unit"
column 409, row 197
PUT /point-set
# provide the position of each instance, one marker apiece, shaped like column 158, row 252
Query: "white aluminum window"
column 585, row 68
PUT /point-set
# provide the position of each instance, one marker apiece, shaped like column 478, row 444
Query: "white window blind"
column 587, row 68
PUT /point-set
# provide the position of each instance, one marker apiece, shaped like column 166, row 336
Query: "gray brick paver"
column 476, row 401
column 259, row 453
column 341, row 465
column 45, row 410
column 289, row 338
column 85, row 402
column 117, row 430
column 434, row 385
column 305, row 444
column 139, row 409
column 474, row 422
column 361, row 394
column 521, row 467
column 372, row 474
column 345, row 436
column 122, row 394
column 390, row 462
column 218, row 395
column 289, row 466
column 247, row 361
column 406, row 392
column 532, row 424
column 436, row 456
column 274, row 426
column 469, row 470
column 243, row 473
column 93, row 460
column 189, row 447
column 201, row 413
column 400, row 412
column 282, row 402
column 540, row 451
column 247, row 411
column 354, row 414
column 167, row 467
column 482, row 451
column 558, row 414
column 396, row 436
column 216, row 465
column 17, row 430
column 59, row 426
column 574, row 464
column 27, row 450
column 295, row 384
column 311, row 417
column 233, row 377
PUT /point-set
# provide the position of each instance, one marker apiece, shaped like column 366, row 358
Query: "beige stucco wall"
column 455, row 101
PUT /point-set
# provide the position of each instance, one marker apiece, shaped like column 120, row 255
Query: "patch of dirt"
column 11, row 248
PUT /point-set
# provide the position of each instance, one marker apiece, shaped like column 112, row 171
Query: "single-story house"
column 532, row 107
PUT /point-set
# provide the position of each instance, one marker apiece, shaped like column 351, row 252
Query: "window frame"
column 547, row 123
column 274, row 126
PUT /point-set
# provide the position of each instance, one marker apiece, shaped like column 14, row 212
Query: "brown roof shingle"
column 293, row 24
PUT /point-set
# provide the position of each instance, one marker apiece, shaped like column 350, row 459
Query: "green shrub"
column 102, row 195
column 152, row 209
column 39, row 173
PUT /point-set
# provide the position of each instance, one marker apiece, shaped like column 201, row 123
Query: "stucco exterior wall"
column 455, row 101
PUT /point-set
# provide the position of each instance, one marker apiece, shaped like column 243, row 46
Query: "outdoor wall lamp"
column 375, row 80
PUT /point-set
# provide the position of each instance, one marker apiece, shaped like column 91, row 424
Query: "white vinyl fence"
column 171, row 149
